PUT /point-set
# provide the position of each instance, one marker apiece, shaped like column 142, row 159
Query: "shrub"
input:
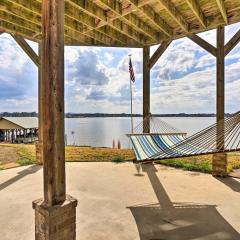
column 118, row 159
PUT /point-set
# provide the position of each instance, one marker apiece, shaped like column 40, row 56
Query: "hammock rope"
column 223, row 136
column 157, row 126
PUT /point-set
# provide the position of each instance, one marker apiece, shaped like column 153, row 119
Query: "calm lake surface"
column 100, row 132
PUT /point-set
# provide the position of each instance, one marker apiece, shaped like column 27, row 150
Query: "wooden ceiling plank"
column 222, row 9
column 152, row 16
column 12, row 28
column 99, row 13
column 195, row 7
column 130, row 19
column 33, row 14
column 69, row 22
column 232, row 43
column 174, row 13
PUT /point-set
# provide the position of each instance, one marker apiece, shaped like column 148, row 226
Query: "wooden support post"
column 146, row 89
column 56, row 213
column 220, row 84
column 39, row 143
column 220, row 159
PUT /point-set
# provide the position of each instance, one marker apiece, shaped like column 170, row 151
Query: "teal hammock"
column 167, row 142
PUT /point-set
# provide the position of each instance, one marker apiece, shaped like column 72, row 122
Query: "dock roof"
column 121, row 23
column 18, row 122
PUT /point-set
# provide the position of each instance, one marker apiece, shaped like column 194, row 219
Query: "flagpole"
column 131, row 99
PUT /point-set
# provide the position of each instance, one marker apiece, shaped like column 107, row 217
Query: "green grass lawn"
column 13, row 155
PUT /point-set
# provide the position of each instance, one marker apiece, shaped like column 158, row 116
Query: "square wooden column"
column 39, row 142
column 146, row 89
column 220, row 159
column 55, row 215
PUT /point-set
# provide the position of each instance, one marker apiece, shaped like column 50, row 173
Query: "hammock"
column 169, row 142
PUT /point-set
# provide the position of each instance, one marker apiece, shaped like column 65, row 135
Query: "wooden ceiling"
column 121, row 23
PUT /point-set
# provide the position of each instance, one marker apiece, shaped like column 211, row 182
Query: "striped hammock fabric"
column 147, row 145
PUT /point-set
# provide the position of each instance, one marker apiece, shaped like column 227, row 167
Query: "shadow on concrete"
column 231, row 183
column 235, row 173
column 31, row 170
column 178, row 221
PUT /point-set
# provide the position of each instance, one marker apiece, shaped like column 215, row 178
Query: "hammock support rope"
column 169, row 143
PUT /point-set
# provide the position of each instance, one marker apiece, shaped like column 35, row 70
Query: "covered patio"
column 158, row 203
column 126, row 23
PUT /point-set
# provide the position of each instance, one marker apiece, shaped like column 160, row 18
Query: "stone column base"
column 219, row 165
column 56, row 222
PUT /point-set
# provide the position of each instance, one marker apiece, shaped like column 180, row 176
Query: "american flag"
column 132, row 76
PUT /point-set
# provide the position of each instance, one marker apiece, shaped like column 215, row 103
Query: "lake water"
column 100, row 132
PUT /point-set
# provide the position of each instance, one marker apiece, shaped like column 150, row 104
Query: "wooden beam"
column 195, row 7
column 220, row 87
column 130, row 19
column 53, row 101
column 152, row 16
column 75, row 19
column 202, row 43
column 40, row 99
column 27, row 49
column 158, row 53
column 174, row 13
column 146, row 90
column 232, row 43
column 222, row 9
column 91, row 9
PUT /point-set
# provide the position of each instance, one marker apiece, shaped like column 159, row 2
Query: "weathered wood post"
column 55, row 215
column 39, row 142
column 219, row 164
column 146, row 89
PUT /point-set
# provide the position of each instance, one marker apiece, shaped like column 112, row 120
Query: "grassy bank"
column 19, row 155
column 14, row 155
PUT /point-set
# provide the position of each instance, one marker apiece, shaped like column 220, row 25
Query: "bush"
column 118, row 159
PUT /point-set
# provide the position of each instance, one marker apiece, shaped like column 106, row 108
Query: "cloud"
column 97, row 79
column 87, row 70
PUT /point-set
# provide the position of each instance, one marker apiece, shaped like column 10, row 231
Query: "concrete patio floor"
column 117, row 203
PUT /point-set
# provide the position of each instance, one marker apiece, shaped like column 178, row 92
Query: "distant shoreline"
column 102, row 115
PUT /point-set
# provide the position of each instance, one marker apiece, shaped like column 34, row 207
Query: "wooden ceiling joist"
column 174, row 13
column 222, row 9
column 152, row 16
column 194, row 5
column 121, row 23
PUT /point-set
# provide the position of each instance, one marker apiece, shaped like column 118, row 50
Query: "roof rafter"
column 172, row 10
column 121, row 23
column 73, row 19
column 91, row 9
column 222, row 9
column 130, row 19
column 153, row 17
column 194, row 5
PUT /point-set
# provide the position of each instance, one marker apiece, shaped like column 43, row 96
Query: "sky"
column 97, row 79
